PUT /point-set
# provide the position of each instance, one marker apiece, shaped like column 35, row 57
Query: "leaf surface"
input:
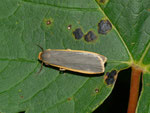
column 23, row 24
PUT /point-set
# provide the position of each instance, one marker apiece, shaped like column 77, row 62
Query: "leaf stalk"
column 134, row 88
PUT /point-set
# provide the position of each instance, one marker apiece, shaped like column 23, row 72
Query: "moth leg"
column 46, row 64
column 69, row 49
column 61, row 69
column 40, row 68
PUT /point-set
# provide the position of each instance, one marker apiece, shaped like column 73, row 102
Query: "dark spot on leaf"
column 69, row 99
column 90, row 36
column 96, row 90
column 22, row 96
column 107, row 73
column 110, row 77
column 78, row 33
column 104, row 26
column 48, row 22
column 112, row 73
column 110, row 80
column 69, row 27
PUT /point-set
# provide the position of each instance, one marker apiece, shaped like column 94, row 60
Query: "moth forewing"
column 74, row 60
column 104, row 59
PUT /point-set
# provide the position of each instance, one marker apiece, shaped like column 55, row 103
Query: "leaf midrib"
column 144, row 53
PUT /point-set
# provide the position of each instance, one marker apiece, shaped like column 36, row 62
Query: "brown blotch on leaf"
column 69, row 27
column 96, row 90
column 104, row 26
column 110, row 77
column 48, row 22
column 69, row 98
column 78, row 34
column 21, row 96
column 90, row 36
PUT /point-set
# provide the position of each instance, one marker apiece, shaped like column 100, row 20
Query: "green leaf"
column 23, row 24
column 143, row 105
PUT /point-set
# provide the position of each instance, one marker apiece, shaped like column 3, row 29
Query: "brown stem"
column 134, row 89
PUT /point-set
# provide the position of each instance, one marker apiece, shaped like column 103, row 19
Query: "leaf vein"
column 41, row 89
column 62, row 7
column 144, row 53
column 18, row 60
column 63, row 101
column 119, row 35
column 20, row 81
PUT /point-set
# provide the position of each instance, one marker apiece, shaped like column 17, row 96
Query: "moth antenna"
column 40, row 47
column 40, row 68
